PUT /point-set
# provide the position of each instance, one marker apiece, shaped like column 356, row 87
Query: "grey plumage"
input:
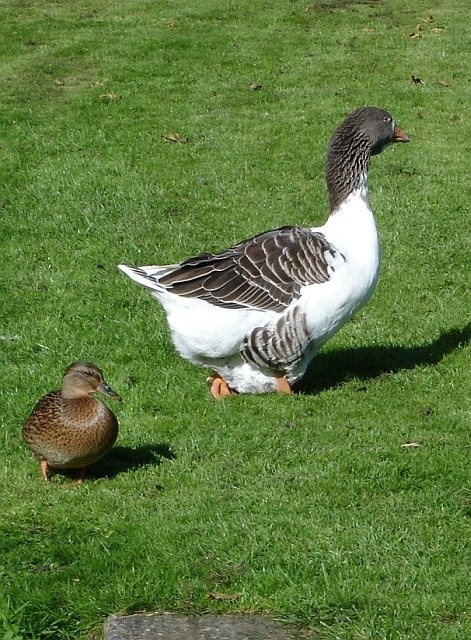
column 275, row 298
column 364, row 133
column 265, row 272
column 280, row 345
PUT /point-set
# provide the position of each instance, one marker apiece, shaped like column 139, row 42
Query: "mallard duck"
column 70, row 429
column 257, row 313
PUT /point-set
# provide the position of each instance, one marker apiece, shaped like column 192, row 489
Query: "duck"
column 257, row 313
column 69, row 428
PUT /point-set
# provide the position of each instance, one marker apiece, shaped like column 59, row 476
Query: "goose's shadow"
column 335, row 367
column 122, row 459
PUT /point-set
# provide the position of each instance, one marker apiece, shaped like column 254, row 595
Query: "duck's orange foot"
column 80, row 476
column 282, row 384
column 219, row 387
column 43, row 465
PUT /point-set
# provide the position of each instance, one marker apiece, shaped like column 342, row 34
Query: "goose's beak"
column 399, row 135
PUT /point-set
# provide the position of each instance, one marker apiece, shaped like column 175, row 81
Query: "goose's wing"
column 265, row 272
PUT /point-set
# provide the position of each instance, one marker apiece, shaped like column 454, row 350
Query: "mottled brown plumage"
column 70, row 429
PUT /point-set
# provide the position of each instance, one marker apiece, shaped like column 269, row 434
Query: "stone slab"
column 169, row 626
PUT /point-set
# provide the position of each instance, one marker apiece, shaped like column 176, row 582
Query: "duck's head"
column 82, row 378
column 372, row 128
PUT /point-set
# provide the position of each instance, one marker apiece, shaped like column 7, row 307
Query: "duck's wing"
column 265, row 272
column 46, row 412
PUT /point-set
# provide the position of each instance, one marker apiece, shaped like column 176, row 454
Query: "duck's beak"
column 399, row 135
column 108, row 391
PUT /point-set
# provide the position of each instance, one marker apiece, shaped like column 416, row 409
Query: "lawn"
column 144, row 132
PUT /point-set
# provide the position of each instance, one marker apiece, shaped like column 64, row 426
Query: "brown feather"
column 264, row 272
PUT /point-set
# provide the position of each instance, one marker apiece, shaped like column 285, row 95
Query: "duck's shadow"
column 122, row 459
column 333, row 368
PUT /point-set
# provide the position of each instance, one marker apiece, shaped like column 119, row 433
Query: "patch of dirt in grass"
column 329, row 6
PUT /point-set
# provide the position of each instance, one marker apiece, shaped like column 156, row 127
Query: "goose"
column 257, row 313
column 70, row 429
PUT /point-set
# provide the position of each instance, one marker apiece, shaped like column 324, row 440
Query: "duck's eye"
column 387, row 119
column 88, row 373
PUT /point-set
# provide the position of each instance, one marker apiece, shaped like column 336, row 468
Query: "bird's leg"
column 80, row 476
column 282, row 384
column 219, row 388
column 43, row 466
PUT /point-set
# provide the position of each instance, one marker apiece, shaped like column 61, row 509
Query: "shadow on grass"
column 122, row 459
column 331, row 369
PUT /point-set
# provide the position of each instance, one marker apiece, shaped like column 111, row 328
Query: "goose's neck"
column 346, row 170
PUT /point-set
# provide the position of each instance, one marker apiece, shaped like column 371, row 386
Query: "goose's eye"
column 387, row 119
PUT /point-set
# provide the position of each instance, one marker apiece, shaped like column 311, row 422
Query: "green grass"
column 308, row 506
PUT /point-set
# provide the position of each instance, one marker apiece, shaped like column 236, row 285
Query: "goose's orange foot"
column 219, row 388
column 282, row 384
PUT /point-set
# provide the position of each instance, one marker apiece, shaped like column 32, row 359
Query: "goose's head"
column 372, row 127
column 363, row 133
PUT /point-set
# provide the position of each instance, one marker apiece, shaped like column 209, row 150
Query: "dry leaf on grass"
column 174, row 137
column 228, row 597
column 255, row 86
column 417, row 33
column 109, row 97
column 411, row 445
